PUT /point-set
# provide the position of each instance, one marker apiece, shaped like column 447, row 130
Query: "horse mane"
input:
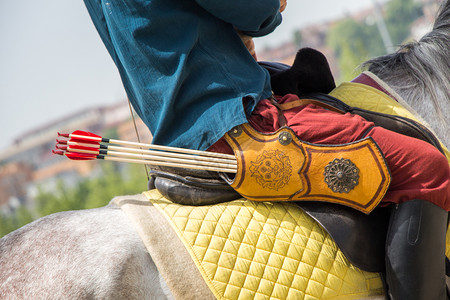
column 420, row 73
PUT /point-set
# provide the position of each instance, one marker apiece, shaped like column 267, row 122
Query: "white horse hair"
column 420, row 73
column 86, row 254
column 97, row 254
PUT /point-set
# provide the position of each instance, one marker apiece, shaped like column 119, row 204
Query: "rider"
column 188, row 74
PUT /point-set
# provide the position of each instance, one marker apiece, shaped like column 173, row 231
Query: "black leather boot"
column 415, row 251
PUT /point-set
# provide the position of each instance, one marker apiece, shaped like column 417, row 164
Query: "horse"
column 97, row 254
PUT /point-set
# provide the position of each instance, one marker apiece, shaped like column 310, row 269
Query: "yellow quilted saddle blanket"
column 265, row 250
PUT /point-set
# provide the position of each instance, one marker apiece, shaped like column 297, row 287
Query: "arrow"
column 88, row 156
column 81, row 146
column 91, row 138
column 104, row 149
column 74, row 156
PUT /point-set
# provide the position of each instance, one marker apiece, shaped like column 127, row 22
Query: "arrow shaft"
column 167, row 164
column 153, row 152
column 151, row 146
column 186, row 162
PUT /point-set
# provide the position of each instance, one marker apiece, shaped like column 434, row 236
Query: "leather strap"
column 281, row 118
column 300, row 102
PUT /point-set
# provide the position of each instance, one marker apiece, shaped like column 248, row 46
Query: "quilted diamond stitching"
column 236, row 254
column 372, row 100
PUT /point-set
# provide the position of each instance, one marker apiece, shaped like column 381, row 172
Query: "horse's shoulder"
column 76, row 254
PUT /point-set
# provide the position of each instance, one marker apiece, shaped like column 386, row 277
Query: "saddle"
column 361, row 237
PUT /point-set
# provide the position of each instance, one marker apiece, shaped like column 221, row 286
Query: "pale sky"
column 52, row 62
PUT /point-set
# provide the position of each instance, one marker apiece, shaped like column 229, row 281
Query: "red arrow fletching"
column 95, row 145
column 80, row 136
column 80, row 156
column 63, row 134
column 85, row 133
column 75, row 147
column 85, row 141
column 60, row 141
column 61, row 147
column 58, row 152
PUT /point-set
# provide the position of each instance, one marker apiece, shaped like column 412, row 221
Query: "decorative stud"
column 341, row 175
column 285, row 138
column 235, row 131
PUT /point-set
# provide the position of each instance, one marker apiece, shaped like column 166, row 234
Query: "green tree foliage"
column 85, row 194
column 353, row 43
column 19, row 219
column 400, row 14
column 297, row 38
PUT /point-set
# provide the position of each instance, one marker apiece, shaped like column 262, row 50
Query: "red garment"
column 419, row 170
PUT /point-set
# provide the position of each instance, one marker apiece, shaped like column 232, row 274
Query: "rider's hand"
column 283, row 4
column 248, row 42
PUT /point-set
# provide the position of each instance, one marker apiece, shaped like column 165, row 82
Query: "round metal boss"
column 285, row 138
column 341, row 175
column 235, row 131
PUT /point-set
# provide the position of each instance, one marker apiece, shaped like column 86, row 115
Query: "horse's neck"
column 419, row 73
column 432, row 108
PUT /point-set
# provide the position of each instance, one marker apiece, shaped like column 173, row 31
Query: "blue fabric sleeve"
column 252, row 17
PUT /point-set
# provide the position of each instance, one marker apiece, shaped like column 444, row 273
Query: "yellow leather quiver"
column 280, row 167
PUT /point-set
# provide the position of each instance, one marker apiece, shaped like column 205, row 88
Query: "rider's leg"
column 419, row 170
column 416, row 244
column 415, row 251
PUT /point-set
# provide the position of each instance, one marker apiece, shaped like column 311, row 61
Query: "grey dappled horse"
column 97, row 253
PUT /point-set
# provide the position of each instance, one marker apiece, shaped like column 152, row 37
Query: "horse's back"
column 93, row 254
